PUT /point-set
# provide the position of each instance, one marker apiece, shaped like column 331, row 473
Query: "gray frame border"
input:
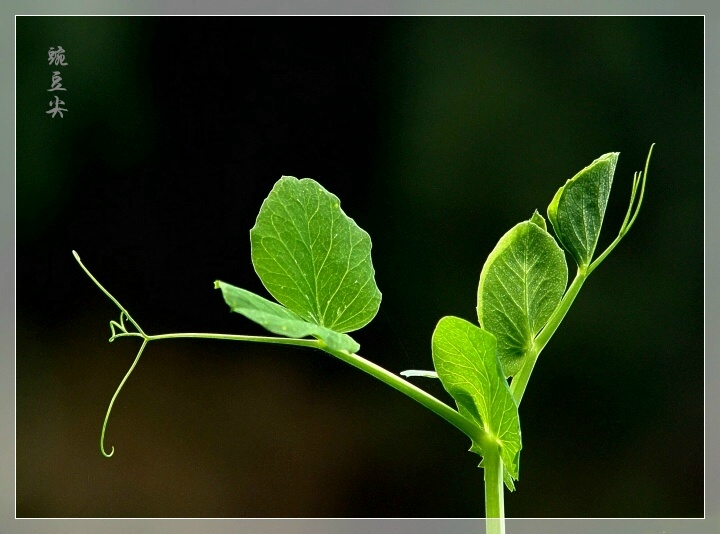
column 711, row 523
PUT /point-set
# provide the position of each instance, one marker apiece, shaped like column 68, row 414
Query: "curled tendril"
column 112, row 401
column 122, row 327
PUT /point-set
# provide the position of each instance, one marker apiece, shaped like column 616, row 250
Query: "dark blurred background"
column 438, row 135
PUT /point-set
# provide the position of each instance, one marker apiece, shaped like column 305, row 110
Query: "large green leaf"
column 578, row 208
column 465, row 359
column 279, row 320
column 313, row 258
column 521, row 284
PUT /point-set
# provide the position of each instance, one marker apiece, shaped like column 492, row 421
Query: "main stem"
column 494, row 489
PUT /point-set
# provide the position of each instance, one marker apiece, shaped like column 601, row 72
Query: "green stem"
column 403, row 386
column 494, row 489
column 231, row 337
column 438, row 407
column 521, row 379
column 467, row 427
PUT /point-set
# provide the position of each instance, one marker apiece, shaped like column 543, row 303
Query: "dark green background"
column 438, row 135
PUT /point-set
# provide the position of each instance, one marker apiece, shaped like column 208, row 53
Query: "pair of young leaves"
column 315, row 261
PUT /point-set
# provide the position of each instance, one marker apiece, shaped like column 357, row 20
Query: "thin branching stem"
column 232, row 337
column 468, row 427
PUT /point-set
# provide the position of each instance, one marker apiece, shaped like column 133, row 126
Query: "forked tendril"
column 639, row 180
column 122, row 327
column 123, row 333
column 123, row 311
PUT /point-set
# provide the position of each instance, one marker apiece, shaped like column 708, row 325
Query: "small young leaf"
column 313, row 258
column 578, row 208
column 466, row 361
column 521, row 284
column 279, row 320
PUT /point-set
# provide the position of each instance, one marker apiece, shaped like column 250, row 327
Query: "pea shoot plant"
column 315, row 261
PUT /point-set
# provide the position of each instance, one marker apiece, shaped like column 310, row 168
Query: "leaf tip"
column 538, row 220
column 610, row 156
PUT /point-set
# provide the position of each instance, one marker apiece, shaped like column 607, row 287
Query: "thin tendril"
column 112, row 401
column 122, row 310
column 123, row 330
column 636, row 178
column 642, row 188
column 639, row 179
